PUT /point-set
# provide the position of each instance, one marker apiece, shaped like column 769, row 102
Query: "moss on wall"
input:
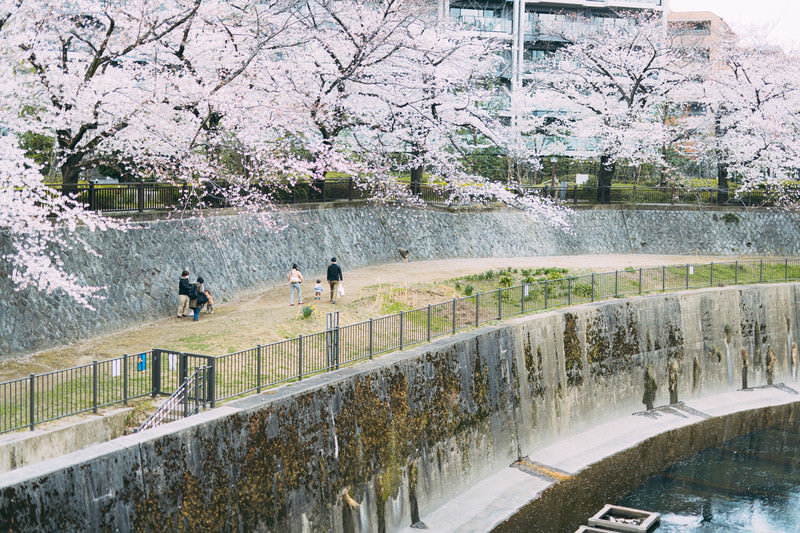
column 573, row 354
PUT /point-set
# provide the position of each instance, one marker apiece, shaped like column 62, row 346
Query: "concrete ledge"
column 490, row 504
column 23, row 448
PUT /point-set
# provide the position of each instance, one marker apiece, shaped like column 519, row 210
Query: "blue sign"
column 141, row 365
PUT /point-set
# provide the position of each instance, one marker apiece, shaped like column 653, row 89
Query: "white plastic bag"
column 341, row 289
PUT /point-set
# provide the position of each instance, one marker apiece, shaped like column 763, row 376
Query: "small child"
column 318, row 290
column 209, row 303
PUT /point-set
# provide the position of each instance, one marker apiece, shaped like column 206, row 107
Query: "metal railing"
column 142, row 197
column 26, row 402
column 151, row 196
column 186, row 401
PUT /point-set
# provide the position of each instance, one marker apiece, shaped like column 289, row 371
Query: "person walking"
column 334, row 278
column 184, row 288
column 196, row 304
column 295, row 279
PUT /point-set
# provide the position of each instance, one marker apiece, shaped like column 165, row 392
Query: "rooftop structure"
column 702, row 30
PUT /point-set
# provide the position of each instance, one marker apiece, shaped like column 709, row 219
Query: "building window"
column 690, row 27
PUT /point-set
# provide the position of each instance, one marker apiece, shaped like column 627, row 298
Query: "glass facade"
column 478, row 19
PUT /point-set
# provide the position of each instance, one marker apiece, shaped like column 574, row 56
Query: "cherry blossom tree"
column 610, row 83
column 168, row 89
column 752, row 99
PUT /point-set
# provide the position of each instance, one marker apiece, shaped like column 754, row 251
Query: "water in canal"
column 750, row 484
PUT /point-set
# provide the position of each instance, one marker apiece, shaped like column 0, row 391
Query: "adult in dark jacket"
column 334, row 278
column 184, row 289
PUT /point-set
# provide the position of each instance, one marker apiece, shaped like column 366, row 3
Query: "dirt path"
column 267, row 316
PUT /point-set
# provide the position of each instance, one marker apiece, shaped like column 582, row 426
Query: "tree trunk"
column 416, row 180
column 70, row 174
column 722, row 183
column 604, row 177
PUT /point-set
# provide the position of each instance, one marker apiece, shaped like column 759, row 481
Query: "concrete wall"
column 238, row 254
column 55, row 439
column 375, row 446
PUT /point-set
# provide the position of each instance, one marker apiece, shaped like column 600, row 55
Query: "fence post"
column 761, row 271
column 523, row 288
column 575, row 195
column 324, row 192
column 182, row 360
column 258, row 370
column 94, row 386
column 736, row 272
column 499, row 304
column 786, row 269
column 545, row 293
column 185, row 397
column 640, row 280
column 569, row 291
column 663, row 279
column 592, row 286
column 212, row 378
column 712, row 274
column 329, row 340
column 477, row 311
column 124, row 379
column 616, row 284
column 32, row 400
column 370, row 338
column 454, row 316
column 336, row 338
column 401, row 330
column 429, row 322
column 92, row 202
column 299, row 358
column 140, row 196
column 349, row 189
column 687, row 276
column 156, row 372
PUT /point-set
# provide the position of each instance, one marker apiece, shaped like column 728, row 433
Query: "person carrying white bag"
column 335, row 280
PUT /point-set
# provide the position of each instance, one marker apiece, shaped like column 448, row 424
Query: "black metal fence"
column 653, row 195
column 39, row 398
column 149, row 196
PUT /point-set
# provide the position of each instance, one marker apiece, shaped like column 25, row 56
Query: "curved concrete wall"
column 376, row 446
column 237, row 254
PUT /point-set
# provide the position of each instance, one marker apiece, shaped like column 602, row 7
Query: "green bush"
column 468, row 290
column 506, row 281
column 308, row 310
column 584, row 290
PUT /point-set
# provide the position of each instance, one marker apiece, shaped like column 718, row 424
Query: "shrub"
column 458, row 285
column 584, row 290
column 468, row 290
column 308, row 310
column 506, row 281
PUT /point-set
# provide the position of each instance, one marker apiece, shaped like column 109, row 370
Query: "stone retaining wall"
column 375, row 446
column 239, row 254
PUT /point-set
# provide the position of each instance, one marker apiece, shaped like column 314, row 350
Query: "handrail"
column 178, row 401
